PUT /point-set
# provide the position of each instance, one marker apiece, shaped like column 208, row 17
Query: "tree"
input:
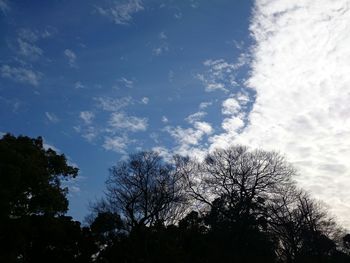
column 304, row 231
column 243, row 179
column 32, row 204
column 30, row 178
column 145, row 190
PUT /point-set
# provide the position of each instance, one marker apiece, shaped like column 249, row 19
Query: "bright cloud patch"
column 131, row 123
column 300, row 72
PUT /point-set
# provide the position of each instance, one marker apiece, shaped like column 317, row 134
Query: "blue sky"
column 101, row 79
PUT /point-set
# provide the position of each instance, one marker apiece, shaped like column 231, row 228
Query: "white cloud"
column 203, row 126
column 51, row 117
column 165, row 119
column 89, row 133
column 164, row 153
column 71, row 56
column 232, row 124
column 300, row 72
column 190, row 136
column 48, row 145
column 87, row 116
column 204, row 105
column 121, row 13
column 195, row 116
column 230, row 106
column 131, row 123
column 26, row 42
column 20, row 74
column 110, row 104
column 145, row 100
column 221, row 75
column 117, row 144
column 125, row 83
column 29, row 50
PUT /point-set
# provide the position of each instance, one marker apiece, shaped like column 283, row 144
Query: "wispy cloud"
column 195, row 116
column 88, row 132
column 113, row 104
column 190, row 136
column 163, row 45
column 4, row 6
column 117, row 144
column 21, row 75
column 121, row 13
column 162, row 35
column 125, row 83
column 71, row 56
column 145, row 100
column 165, row 119
column 87, row 116
column 160, row 50
column 51, row 117
column 131, row 123
column 79, row 85
column 27, row 42
column 28, row 49
column 205, row 104
column 189, row 141
column 221, row 75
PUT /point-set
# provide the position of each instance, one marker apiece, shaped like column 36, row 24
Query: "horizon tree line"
column 235, row 205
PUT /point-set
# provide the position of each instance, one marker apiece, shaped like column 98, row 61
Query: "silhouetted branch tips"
column 235, row 205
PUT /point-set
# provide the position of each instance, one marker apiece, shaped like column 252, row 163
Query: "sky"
column 101, row 79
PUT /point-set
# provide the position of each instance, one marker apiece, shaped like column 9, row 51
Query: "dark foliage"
column 32, row 204
column 235, row 206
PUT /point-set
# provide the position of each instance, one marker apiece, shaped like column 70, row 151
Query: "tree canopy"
column 235, row 205
column 30, row 178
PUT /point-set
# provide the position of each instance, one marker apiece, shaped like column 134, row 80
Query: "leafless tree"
column 145, row 190
column 241, row 175
column 298, row 222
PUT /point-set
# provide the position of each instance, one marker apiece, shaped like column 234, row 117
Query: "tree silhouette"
column 30, row 178
column 145, row 190
column 32, row 204
column 236, row 205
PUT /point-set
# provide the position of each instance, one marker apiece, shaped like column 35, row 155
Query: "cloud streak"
column 21, row 75
column 71, row 56
column 121, row 13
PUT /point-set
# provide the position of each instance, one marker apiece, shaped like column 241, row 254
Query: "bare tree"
column 145, row 189
column 301, row 225
column 244, row 177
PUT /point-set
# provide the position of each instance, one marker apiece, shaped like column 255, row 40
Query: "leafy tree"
column 32, row 204
column 30, row 178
